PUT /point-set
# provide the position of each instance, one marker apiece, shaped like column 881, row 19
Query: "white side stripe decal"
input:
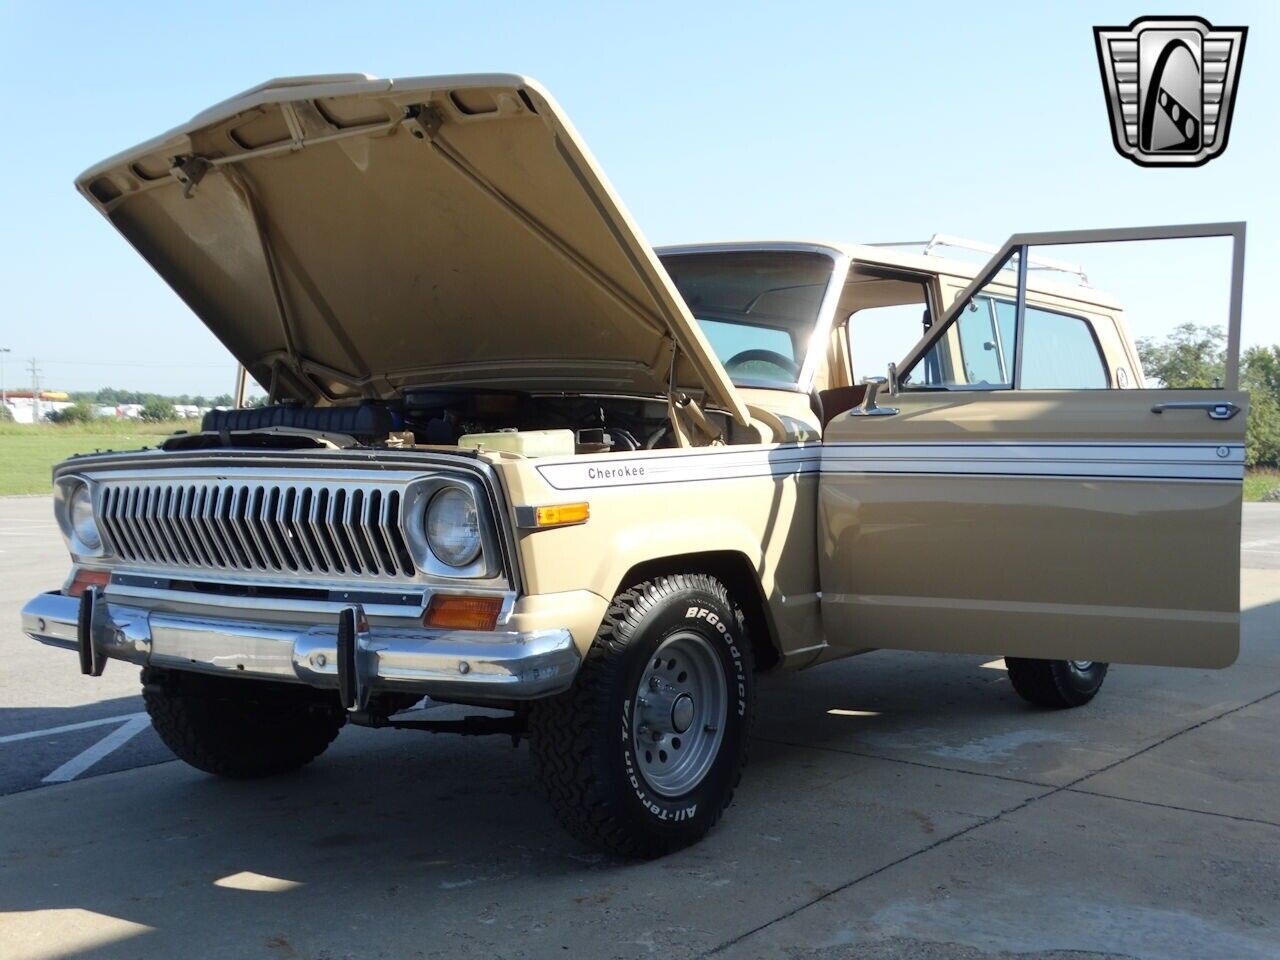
column 1118, row 461
column 1202, row 462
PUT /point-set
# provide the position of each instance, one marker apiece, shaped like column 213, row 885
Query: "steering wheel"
column 766, row 356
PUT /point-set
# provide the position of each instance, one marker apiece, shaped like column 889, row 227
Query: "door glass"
column 976, row 350
column 986, row 342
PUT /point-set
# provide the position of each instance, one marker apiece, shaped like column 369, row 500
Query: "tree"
column 157, row 409
column 1193, row 356
column 79, row 412
column 1189, row 357
column 1260, row 375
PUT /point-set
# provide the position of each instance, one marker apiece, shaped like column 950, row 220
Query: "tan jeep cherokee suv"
column 515, row 458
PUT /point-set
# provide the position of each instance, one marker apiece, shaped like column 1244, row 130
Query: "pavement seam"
column 1065, row 788
column 1173, row 806
column 728, row 944
column 910, row 763
column 1173, row 736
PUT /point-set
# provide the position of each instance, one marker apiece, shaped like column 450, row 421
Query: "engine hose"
column 621, row 433
column 655, row 438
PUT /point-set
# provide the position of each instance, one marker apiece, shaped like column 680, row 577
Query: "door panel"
column 1053, row 524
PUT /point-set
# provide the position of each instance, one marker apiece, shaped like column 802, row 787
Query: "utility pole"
column 35, row 391
column 4, row 397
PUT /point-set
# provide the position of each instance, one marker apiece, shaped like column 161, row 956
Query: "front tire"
column 1056, row 683
column 241, row 729
column 642, row 755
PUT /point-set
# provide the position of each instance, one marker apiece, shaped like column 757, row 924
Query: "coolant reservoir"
column 529, row 443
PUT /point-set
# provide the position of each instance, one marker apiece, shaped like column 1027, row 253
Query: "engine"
column 521, row 422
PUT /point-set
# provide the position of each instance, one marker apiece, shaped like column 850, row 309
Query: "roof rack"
column 977, row 246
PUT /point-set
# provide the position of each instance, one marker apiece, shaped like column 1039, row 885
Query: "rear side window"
column 1060, row 353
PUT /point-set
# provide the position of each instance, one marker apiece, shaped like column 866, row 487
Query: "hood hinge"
column 189, row 171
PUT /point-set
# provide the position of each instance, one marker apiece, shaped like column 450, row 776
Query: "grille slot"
column 308, row 528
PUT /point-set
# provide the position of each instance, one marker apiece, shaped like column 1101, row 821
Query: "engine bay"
column 531, row 424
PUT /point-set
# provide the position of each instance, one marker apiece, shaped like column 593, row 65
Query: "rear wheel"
column 1056, row 683
column 643, row 754
column 236, row 728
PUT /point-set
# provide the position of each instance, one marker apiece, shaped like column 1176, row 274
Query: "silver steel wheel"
column 679, row 714
column 1082, row 666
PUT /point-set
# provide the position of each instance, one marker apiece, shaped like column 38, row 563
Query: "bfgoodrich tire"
column 1056, row 683
column 642, row 755
column 240, row 729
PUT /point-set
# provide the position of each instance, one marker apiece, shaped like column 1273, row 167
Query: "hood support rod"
column 240, row 185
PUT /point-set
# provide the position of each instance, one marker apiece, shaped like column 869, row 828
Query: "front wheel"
column 238, row 728
column 642, row 755
column 1056, row 683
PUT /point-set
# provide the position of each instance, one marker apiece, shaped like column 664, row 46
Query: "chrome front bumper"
column 500, row 665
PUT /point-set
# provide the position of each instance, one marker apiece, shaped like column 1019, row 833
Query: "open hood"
column 345, row 236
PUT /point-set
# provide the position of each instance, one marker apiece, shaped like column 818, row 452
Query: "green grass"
column 1259, row 481
column 28, row 453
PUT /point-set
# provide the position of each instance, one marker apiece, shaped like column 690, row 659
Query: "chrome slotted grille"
column 310, row 528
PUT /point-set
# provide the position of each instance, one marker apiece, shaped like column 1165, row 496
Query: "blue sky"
column 713, row 120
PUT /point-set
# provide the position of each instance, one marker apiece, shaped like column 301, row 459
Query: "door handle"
column 1217, row 409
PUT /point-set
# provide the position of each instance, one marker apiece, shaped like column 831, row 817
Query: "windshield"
column 757, row 308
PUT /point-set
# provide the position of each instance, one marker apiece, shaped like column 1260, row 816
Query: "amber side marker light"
column 84, row 579
column 462, row 613
column 556, row 515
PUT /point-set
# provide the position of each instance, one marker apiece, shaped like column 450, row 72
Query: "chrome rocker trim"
column 500, row 665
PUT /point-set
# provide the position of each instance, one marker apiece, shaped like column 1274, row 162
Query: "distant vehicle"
column 516, row 458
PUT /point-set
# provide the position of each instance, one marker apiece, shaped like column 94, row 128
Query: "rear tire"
column 1056, row 683
column 241, row 729
column 642, row 755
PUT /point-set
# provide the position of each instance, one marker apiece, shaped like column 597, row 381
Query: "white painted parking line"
column 68, row 728
column 113, row 741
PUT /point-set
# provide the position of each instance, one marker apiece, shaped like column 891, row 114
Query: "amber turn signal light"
column 462, row 613
column 562, row 514
column 84, row 579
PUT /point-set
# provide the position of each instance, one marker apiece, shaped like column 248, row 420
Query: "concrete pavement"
column 895, row 805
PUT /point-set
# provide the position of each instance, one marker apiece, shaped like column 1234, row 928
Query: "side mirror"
column 868, row 407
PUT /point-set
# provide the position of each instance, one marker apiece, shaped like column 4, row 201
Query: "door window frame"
column 883, row 271
column 1019, row 244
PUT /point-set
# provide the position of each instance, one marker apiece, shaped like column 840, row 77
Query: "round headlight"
column 453, row 527
column 82, row 520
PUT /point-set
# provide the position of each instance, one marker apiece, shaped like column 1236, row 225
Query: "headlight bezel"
column 419, row 496
column 65, row 491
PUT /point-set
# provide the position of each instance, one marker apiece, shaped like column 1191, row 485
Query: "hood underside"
column 345, row 237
